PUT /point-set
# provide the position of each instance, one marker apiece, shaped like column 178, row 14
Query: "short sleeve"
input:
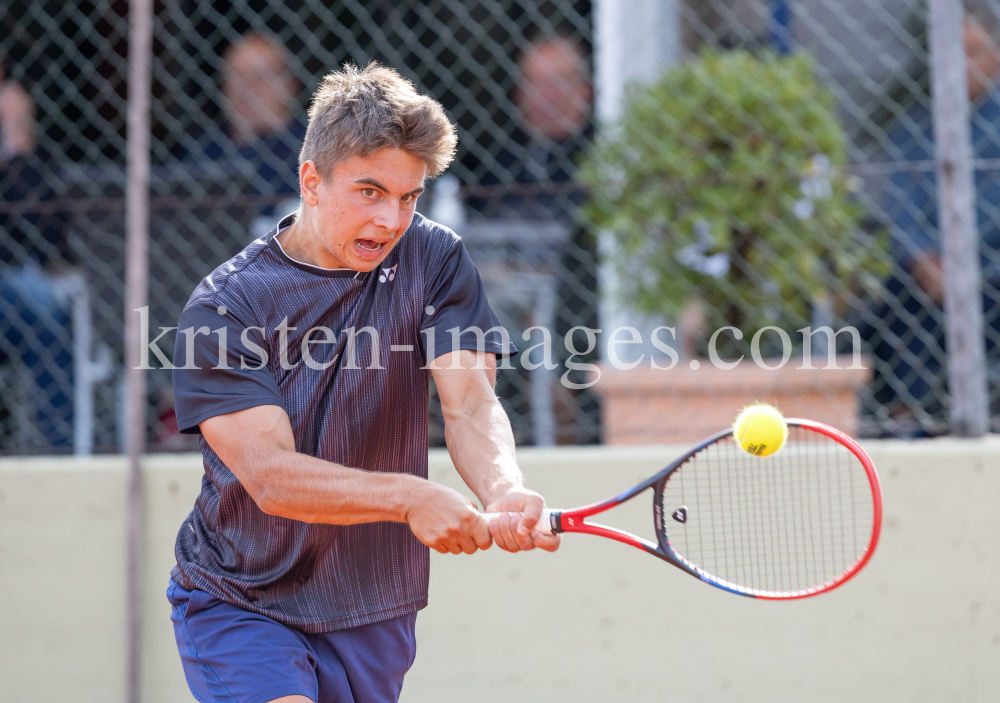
column 204, row 387
column 456, row 309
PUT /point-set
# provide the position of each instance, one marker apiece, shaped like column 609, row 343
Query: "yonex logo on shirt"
column 388, row 274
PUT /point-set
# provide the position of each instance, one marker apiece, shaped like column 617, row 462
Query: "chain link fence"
column 780, row 173
column 864, row 204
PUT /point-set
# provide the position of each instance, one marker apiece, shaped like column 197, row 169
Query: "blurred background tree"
column 723, row 183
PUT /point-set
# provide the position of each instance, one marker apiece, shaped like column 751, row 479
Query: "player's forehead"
column 393, row 170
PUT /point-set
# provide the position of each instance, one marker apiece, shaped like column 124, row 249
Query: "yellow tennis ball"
column 760, row 429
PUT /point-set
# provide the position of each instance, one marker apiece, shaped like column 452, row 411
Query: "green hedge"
column 723, row 181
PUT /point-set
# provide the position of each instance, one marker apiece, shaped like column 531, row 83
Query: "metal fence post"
column 633, row 44
column 963, row 305
column 136, row 293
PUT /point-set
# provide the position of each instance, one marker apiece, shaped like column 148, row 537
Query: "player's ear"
column 309, row 180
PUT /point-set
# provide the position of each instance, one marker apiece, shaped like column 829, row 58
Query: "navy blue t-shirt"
column 264, row 329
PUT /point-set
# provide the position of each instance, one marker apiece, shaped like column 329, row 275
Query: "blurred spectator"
column 260, row 95
column 34, row 324
column 532, row 181
column 916, row 353
column 262, row 136
column 554, row 96
column 259, row 88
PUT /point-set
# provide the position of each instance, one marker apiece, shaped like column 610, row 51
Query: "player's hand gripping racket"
column 791, row 525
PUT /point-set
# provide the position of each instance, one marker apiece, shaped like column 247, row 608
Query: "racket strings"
column 788, row 522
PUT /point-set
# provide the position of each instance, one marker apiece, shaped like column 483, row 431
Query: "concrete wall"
column 597, row 621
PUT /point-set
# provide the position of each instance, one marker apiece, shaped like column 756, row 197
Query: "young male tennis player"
column 303, row 362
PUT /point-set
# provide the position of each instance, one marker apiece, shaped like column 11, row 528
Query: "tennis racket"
column 794, row 524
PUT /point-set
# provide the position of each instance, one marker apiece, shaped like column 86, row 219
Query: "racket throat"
column 577, row 523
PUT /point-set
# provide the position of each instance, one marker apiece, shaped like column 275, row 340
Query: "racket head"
column 795, row 524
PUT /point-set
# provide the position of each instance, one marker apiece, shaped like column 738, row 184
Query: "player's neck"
column 301, row 241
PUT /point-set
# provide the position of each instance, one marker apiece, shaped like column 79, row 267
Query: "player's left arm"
column 481, row 445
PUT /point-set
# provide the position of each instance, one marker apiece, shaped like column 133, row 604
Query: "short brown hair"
column 356, row 112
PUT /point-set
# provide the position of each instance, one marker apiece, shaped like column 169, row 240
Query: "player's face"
column 366, row 205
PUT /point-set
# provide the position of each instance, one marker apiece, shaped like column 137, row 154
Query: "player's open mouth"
column 370, row 244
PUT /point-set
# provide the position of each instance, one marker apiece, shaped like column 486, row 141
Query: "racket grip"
column 544, row 524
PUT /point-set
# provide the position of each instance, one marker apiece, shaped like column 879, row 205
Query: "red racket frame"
column 575, row 520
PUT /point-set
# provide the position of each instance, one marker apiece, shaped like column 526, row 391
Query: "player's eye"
column 369, row 192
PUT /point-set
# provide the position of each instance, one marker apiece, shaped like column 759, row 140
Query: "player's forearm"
column 305, row 488
column 258, row 446
column 481, row 445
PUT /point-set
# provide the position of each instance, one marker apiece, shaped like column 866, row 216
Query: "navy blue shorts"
column 234, row 656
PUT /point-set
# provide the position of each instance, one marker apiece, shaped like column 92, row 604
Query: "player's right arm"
column 257, row 445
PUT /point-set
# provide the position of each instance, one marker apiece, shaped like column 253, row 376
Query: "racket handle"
column 544, row 524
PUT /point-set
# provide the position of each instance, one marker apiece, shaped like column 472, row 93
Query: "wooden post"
column 136, row 294
column 963, row 305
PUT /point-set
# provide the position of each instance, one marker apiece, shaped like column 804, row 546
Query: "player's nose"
column 387, row 217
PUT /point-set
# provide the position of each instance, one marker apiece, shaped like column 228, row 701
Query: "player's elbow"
column 262, row 495
column 468, row 409
column 273, row 500
column 259, row 482
column 267, row 500
column 276, row 502
column 457, row 413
